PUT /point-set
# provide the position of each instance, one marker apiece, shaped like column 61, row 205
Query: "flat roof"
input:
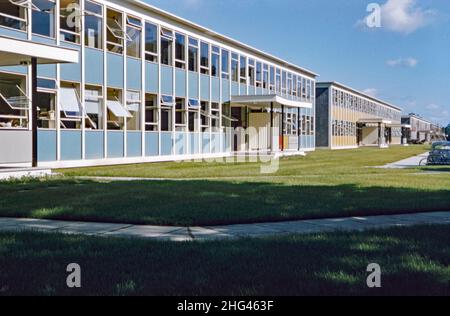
column 16, row 52
column 267, row 99
column 219, row 36
column 340, row 85
column 418, row 117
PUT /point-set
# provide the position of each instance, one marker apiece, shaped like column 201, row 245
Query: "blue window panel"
column 166, row 80
column 243, row 89
column 94, row 145
column 115, row 70
column 215, row 143
column 70, row 145
column 151, row 77
column 46, row 145
column 204, row 87
column 151, row 143
column 71, row 72
column 134, row 144
column 134, row 74
column 215, row 90
column 166, row 143
column 205, row 143
column 194, row 147
column 251, row 90
column 234, row 88
column 180, row 144
column 193, row 85
column 47, row 71
column 17, row 69
column 225, row 90
column 43, row 40
column 115, row 144
column 94, row 60
column 259, row 91
column 13, row 33
column 180, row 83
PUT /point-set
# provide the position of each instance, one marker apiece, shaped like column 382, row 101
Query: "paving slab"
column 243, row 230
column 341, row 224
column 204, row 233
column 90, row 228
column 298, row 227
column 143, row 231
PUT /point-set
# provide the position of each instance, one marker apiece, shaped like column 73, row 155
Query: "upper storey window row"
column 131, row 35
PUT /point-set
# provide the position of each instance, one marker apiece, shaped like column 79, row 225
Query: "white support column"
column 105, row 84
column 125, row 85
column 158, row 97
column 83, row 81
column 58, row 83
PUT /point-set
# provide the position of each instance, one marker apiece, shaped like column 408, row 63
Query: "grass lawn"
column 414, row 261
column 323, row 184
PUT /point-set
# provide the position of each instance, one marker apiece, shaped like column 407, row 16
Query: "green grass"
column 323, row 184
column 414, row 261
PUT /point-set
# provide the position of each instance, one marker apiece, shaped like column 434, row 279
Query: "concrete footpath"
column 223, row 232
column 411, row 162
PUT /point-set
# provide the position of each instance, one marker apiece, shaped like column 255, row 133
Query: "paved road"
column 223, row 232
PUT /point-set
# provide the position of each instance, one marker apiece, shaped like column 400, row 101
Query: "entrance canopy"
column 266, row 100
column 398, row 125
column 15, row 52
column 375, row 121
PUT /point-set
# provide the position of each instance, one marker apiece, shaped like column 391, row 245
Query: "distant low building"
column 422, row 130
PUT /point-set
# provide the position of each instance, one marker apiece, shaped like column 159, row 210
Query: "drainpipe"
column 34, row 98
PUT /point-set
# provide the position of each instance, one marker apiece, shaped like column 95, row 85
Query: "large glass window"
column 14, row 103
column 116, row 111
column 13, row 15
column 225, row 64
column 93, row 104
column 134, row 31
column 251, row 72
column 134, row 107
column 115, row 35
column 215, row 117
column 180, row 114
column 151, row 42
column 204, row 58
column 235, row 67
column 258, row 74
column 70, row 21
column 283, row 82
column 167, row 106
column 243, row 71
column 278, row 81
column 151, row 112
column 44, row 18
column 180, row 51
column 193, row 114
column 46, row 103
column 265, row 76
column 215, row 61
column 167, row 39
column 193, row 55
column 272, row 78
column 205, row 115
column 93, row 20
column 70, row 106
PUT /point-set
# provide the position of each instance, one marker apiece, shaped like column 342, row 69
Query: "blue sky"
column 406, row 61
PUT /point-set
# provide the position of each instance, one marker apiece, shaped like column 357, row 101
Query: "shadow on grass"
column 414, row 261
column 207, row 202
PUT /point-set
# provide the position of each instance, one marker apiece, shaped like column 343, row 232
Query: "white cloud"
column 371, row 91
column 402, row 62
column 432, row 107
column 403, row 16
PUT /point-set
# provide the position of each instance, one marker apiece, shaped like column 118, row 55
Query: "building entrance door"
column 259, row 131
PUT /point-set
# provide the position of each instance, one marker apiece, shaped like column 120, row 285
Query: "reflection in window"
column 234, row 67
column 193, row 55
column 14, row 103
column 44, row 18
column 13, row 16
column 225, row 64
column 166, row 47
column 93, row 104
column 93, row 25
column 70, row 21
column 115, row 35
column 134, row 37
column 134, row 107
column 204, row 58
column 243, row 71
column 180, row 51
column 215, row 61
column 151, row 43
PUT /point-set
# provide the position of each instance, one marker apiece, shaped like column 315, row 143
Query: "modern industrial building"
column 90, row 82
column 422, row 130
column 347, row 118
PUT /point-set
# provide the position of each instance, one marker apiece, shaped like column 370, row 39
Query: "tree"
column 447, row 131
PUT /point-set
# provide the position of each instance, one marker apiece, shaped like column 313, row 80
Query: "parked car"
column 439, row 154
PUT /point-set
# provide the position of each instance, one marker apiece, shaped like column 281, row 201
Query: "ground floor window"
column 116, row 112
column 205, row 116
column 151, row 113
column 134, row 107
column 14, row 102
column 180, row 114
column 167, row 107
column 93, row 103
column 70, row 106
